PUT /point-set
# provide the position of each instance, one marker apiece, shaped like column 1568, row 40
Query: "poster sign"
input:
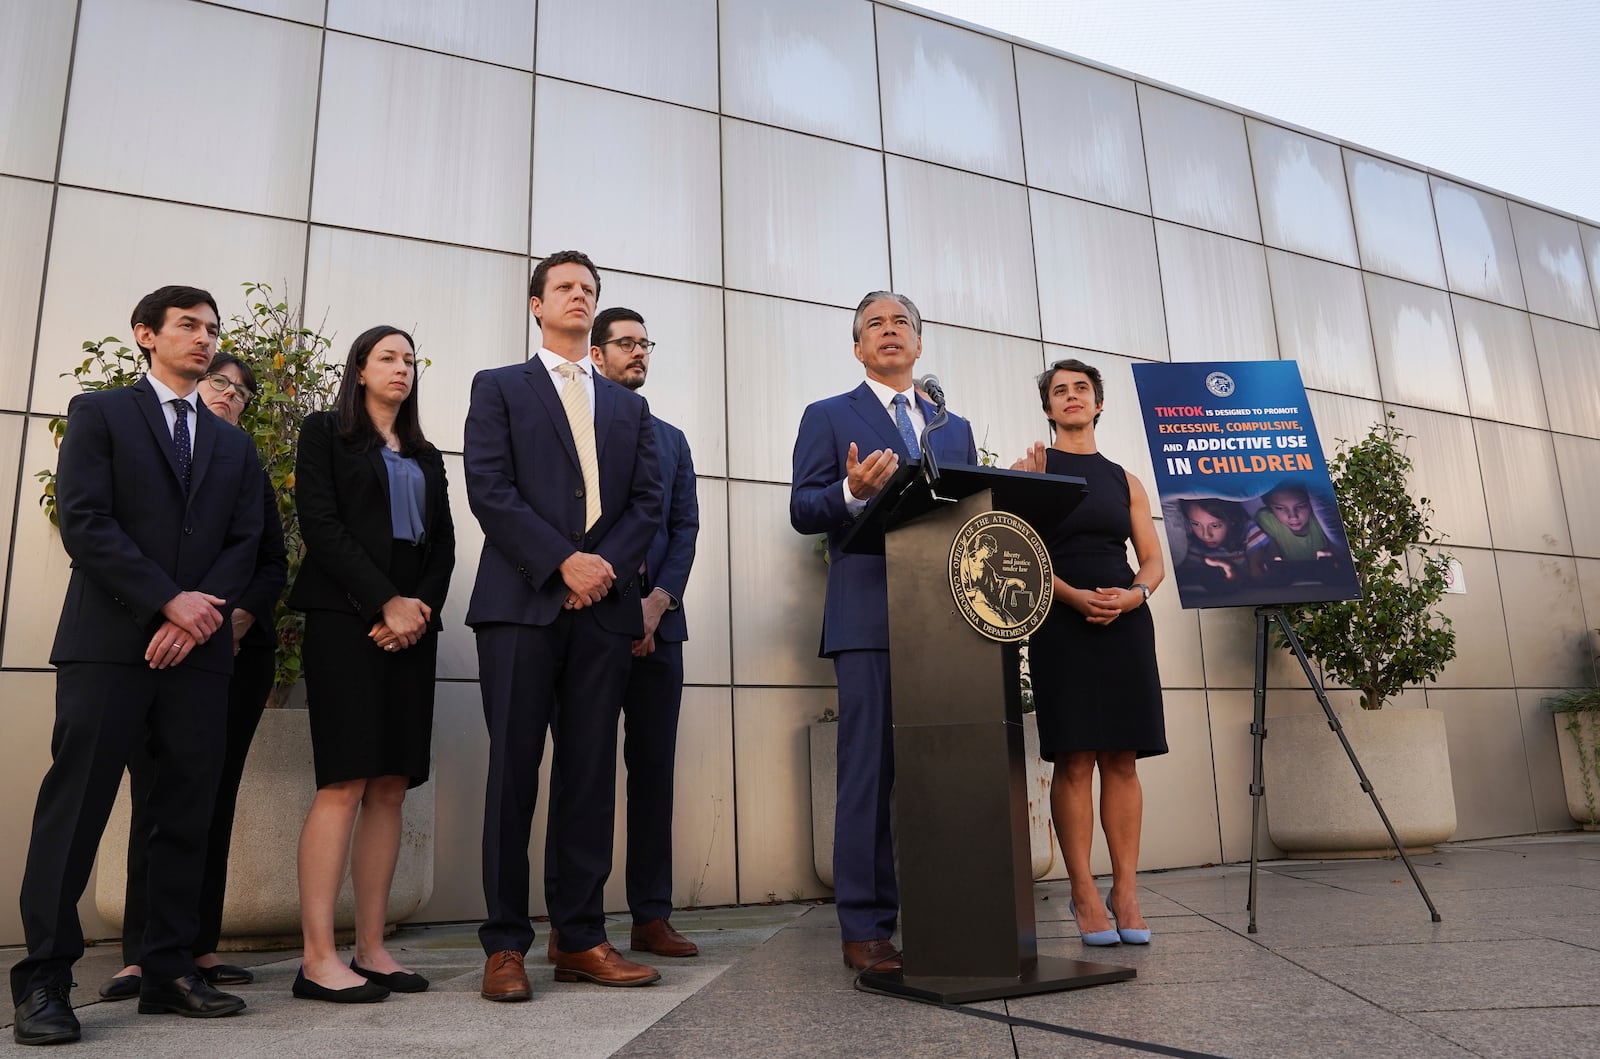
column 1249, row 511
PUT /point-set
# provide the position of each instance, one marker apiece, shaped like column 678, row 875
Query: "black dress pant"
column 650, row 709
column 568, row 678
column 247, row 695
column 103, row 712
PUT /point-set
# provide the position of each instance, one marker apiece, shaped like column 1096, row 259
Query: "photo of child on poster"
column 1250, row 514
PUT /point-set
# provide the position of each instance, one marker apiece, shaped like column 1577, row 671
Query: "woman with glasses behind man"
column 226, row 390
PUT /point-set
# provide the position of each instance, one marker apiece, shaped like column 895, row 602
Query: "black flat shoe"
column 122, row 987
column 190, row 996
column 226, row 974
column 306, row 989
column 45, row 1017
column 397, row 981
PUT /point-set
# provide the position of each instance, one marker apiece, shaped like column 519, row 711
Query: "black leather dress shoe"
column 396, row 981
column 122, row 987
column 45, row 1017
column 366, row 993
column 227, row 974
column 190, row 996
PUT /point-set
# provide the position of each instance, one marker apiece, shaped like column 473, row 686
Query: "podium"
column 961, row 800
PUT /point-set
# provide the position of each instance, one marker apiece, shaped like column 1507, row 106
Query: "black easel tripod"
column 1258, row 733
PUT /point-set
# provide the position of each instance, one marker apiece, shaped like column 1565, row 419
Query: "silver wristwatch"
column 1145, row 589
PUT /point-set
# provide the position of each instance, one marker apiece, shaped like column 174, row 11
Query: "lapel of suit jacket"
column 206, row 431
column 876, row 416
column 605, row 406
column 374, row 457
column 433, row 483
column 544, row 388
column 150, row 407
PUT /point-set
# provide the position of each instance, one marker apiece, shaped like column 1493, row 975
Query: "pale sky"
column 1503, row 94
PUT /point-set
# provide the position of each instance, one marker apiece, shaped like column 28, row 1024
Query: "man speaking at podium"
column 849, row 447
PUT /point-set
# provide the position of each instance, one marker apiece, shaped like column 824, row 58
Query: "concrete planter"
column 1315, row 805
column 263, row 902
column 1045, row 854
column 1582, row 806
column 824, row 792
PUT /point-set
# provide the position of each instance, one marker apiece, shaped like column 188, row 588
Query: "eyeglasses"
column 628, row 345
column 222, row 384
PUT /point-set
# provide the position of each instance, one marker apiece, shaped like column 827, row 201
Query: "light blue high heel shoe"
column 1130, row 935
column 1093, row 937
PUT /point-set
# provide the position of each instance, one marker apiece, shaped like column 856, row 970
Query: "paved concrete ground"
column 1346, row 963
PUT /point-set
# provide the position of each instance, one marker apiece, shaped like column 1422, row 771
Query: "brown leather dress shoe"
column 878, row 955
column 550, row 950
column 657, row 936
column 603, row 965
column 504, row 977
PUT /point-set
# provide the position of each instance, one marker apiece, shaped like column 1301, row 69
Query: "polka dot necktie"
column 902, row 419
column 180, row 439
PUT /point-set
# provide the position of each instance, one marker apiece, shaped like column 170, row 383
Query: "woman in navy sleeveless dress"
column 1096, row 689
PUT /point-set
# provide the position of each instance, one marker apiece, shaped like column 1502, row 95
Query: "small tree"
column 294, row 378
column 1394, row 635
column 1580, row 712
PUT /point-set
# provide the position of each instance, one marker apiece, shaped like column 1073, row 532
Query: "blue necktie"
column 180, row 439
column 902, row 419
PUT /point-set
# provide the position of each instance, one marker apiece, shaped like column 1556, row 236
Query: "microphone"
column 929, row 384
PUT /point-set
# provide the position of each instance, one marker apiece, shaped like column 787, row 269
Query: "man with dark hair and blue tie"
column 159, row 503
column 848, row 448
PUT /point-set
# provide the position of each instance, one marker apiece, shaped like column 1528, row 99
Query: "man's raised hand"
column 868, row 477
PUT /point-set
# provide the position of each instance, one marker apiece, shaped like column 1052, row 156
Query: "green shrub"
column 1394, row 635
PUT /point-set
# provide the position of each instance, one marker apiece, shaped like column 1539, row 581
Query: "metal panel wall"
column 743, row 171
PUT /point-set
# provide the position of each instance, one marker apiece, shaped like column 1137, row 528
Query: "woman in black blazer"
column 380, row 545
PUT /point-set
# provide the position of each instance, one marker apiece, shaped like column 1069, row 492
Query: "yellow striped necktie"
column 575, row 399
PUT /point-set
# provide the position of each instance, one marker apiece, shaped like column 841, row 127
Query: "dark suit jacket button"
column 576, row 536
column 578, row 493
column 188, row 531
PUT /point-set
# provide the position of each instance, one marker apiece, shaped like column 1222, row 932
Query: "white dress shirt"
column 552, row 363
column 886, row 395
column 165, row 394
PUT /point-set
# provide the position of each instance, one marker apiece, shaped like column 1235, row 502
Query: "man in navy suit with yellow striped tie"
column 620, row 347
column 562, row 475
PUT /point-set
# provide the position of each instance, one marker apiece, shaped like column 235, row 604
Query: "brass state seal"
column 1000, row 576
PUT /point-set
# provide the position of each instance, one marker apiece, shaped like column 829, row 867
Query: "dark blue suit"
column 654, row 696
column 541, row 666
column 855, row 634
column 137, row 538
column 253, row 671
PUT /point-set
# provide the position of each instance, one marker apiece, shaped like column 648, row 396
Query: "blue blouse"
column 408, row 491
